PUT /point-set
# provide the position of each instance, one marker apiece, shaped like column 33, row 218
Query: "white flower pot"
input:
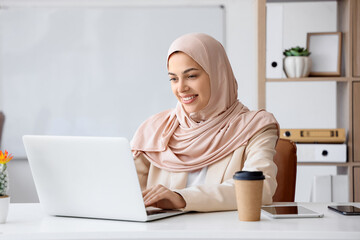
column 4, row 207
column 297, row 67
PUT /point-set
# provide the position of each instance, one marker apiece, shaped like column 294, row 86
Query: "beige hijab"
column 175, row 141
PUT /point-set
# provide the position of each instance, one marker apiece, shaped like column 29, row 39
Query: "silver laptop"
column 93, row 177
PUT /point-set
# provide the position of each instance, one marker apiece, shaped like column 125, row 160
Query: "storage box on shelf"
column 321, row 153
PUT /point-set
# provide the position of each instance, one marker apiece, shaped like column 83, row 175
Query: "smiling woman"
column 186, row 157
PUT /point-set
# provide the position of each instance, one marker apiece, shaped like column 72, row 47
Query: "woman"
column 186, row 157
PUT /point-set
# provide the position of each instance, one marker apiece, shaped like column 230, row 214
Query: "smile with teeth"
column 189, row 99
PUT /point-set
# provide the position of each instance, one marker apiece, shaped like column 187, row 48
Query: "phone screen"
column 350, row 210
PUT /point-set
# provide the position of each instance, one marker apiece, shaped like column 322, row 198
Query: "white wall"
column 240, row 32
column 240, row 35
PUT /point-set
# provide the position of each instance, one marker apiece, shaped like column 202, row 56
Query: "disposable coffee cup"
column 248, row 188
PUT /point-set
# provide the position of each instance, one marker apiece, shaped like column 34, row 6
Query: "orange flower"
column 5, row 157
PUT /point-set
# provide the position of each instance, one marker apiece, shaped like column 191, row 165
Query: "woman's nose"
column 183, row 87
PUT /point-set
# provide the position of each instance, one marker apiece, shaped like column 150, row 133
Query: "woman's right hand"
column 162, row 197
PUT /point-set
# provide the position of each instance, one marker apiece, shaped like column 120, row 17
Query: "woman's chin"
column 191, row 110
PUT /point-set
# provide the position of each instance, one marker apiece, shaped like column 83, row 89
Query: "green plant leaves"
column 296, row 51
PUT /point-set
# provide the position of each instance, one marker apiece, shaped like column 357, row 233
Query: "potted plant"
column 5, row 157
column 297, row 62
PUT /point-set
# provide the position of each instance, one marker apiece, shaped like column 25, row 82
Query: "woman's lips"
column 188, row 99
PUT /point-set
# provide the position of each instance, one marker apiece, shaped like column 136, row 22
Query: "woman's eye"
column 172, row 79
column 192, row 76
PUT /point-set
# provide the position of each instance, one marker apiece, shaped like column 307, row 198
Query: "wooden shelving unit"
column 356, row 100
column 308, row 79
column 323, row 164
column 348, row 84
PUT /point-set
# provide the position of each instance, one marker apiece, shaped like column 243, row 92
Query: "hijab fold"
column 176, row 141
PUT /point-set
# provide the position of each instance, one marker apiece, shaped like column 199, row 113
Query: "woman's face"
column 189, row 82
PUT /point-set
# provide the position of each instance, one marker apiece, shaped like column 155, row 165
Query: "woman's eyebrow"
column 190, row 69
column 186, row 71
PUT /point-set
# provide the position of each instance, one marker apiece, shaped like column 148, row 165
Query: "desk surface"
column 28, row 221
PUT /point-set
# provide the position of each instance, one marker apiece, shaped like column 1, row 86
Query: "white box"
column 321, row 189
column 330, row 188
column 321, row 152
column 305, row 180
column 340, row 188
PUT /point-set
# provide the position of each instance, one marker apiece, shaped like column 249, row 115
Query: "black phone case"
column 333, row 208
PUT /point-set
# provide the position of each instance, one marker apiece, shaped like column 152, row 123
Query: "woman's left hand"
column 162, row 197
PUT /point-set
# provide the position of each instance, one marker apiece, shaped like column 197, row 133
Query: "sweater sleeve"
column 258, row 156
column 142, row 168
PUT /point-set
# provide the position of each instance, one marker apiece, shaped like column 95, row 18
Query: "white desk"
column 28, row 221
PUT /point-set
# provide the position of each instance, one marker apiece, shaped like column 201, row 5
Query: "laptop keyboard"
column 155, row 211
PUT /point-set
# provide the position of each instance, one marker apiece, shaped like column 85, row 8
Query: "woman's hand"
column 162, row 197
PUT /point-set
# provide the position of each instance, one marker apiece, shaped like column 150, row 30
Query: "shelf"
column 309, row 79
column 343, row 164
column 336, row 164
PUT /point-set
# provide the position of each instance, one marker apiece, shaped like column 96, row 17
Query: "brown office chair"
column 2, row 120
column 286, row 161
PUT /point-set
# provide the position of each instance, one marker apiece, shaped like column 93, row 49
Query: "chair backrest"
column 2, row 120
column 286, row 161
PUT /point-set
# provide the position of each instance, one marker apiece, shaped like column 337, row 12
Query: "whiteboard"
column 90, row 71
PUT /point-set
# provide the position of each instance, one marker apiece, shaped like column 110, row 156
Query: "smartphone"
column 345, row 210
column 290, row 212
